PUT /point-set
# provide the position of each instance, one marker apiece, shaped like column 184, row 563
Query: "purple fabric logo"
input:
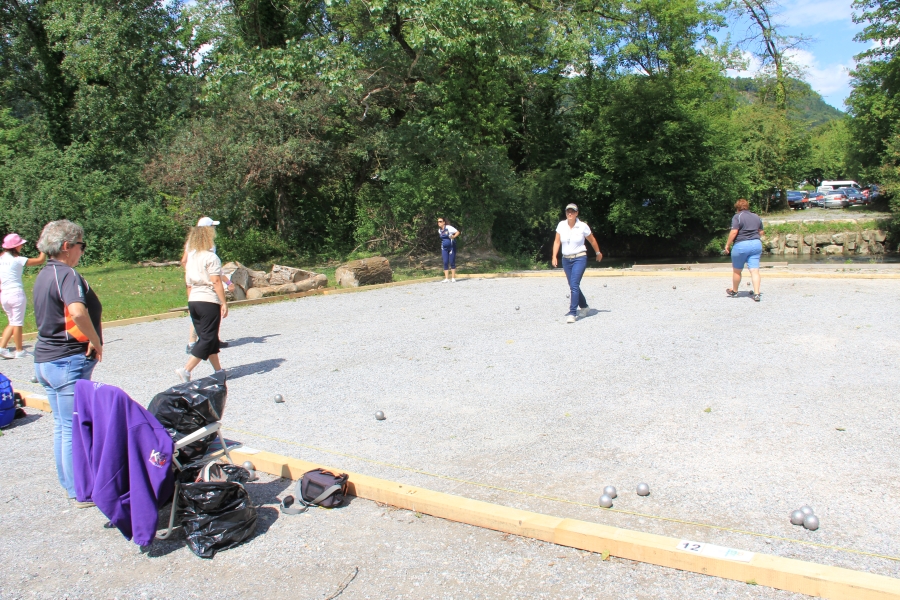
column 158, row 459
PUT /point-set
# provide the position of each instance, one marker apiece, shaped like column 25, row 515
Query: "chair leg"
column 224, row 446
column 168, row 532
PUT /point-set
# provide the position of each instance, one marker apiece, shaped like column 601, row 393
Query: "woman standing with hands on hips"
column 202, row 273
column 448, row 235
column 571, row 235
column 69, row 343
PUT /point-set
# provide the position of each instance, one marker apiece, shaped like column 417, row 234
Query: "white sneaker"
column 453, row 280
column 570, row 319
column 183, row 374
column 5, row 353
column 583, row 312
column 446, row 281
column 21, row 354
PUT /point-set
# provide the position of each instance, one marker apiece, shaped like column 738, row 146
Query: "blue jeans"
column 748, row 252
column 58, row 378
column 574, row 268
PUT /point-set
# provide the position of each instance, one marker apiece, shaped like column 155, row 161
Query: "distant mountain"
column 804, row 103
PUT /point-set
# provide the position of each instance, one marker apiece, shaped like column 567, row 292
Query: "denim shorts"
column 748, row 252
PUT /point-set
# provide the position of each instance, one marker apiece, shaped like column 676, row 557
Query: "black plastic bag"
column 215, row 516
column 189, row 406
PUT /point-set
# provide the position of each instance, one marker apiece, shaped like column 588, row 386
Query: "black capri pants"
column 207, row 316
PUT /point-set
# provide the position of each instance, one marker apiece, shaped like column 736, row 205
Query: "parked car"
column 835, row 199
column 817, row 199
column 853, row 195
column 798, row 199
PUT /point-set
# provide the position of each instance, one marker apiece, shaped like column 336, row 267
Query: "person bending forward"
column 207, row 299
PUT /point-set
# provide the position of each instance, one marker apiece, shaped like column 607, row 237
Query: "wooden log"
column 258, row 278
column 368, row 271
column 167, row 263
column 261, row 292
column 281, row 275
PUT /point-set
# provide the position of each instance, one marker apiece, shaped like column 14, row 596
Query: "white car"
column 835, row 199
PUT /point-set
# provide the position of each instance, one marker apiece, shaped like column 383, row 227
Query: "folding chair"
column 210, row 456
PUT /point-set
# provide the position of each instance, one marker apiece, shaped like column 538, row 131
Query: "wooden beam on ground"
column 762, row 569
column 692, row 266
column 32, row 400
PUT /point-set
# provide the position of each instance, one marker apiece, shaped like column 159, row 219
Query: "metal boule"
column 610, row 491
column 811, row 522
column 797, row 517
column 34, row 380
column 605, row 501
column 517, row 308
column 806, row 510
column 380, row 416
column 248, row 465
column 567, row 295
column 279, row 398
column 643, row 489
column 673, row 287
column 604, row 285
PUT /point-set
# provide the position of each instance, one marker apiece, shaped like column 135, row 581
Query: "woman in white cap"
column 12, row 292
column 571, row 235
column 192, row 337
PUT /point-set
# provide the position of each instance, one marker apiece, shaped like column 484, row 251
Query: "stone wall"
column 869, row 241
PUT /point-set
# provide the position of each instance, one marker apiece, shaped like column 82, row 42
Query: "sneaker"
column 731, row 293
column 453, row 280
column 570, row 319
column 583, row 312
column 183, row 374
column 21, row 354
column 6, row 353
column 87, row 504
column 446, row 281
column 223, row 344
column 757, row 297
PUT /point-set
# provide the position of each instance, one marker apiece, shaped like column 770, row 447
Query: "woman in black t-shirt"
column 69, row 344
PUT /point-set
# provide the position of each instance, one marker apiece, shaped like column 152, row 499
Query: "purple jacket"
column 120, row 455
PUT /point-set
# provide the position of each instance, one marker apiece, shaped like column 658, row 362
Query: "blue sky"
column 828, row 56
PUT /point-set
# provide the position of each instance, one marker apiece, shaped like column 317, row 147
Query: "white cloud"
column 827, row 80
column 752, row 66
column 805, row 13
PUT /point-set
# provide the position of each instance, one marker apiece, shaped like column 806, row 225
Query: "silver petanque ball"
column 517, row 308
column 605, row 501
column 643, row 489
column 673, row 287
column 248, row 465
column 806, row 510
column 279, row 398
column 610, row 491
column 811, row 522
column 604, row 285
column 380, row 416
column 797, row 517
column 34, row 380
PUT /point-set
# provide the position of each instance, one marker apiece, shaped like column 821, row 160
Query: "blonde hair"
column 201, row 238
column 741, row 205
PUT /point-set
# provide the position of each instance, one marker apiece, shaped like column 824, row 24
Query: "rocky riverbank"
column 865, row 242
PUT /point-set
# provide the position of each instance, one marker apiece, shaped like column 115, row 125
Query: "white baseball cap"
column 206, row 222
column 573, row 207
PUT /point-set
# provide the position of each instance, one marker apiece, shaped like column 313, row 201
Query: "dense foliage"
column 320, row 128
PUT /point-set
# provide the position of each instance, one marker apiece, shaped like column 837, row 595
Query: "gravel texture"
column 797, row 389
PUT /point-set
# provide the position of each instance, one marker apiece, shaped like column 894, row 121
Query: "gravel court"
column 476, row 390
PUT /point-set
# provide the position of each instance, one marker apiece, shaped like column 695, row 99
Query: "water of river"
column 624, row 263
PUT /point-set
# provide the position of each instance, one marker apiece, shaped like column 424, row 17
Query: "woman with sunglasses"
column 571, row 235
column 448, row 235
column 69, row 343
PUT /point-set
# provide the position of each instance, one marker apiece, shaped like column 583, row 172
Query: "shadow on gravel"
column 31, row 418
column 257, row 368
column 251, row 340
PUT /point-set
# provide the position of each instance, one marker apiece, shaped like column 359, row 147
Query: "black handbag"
column 316, row 488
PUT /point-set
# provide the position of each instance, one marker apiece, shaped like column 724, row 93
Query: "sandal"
column 731, row 293
column 757, row 297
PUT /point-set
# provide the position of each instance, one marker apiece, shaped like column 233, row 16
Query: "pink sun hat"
column 13, row 240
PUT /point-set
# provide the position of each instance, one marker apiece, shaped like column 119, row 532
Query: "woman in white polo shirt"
column 571, row 235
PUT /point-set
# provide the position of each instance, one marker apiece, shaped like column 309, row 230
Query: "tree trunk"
column 367, row 271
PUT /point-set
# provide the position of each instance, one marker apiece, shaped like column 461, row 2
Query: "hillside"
column 804, row 103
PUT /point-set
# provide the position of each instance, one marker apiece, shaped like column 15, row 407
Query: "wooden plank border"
column 763, row 569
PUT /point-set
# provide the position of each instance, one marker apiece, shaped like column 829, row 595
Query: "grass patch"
column 826, row 227
column 125, row 290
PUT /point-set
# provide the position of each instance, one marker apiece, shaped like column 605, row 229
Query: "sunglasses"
column 82, row 244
